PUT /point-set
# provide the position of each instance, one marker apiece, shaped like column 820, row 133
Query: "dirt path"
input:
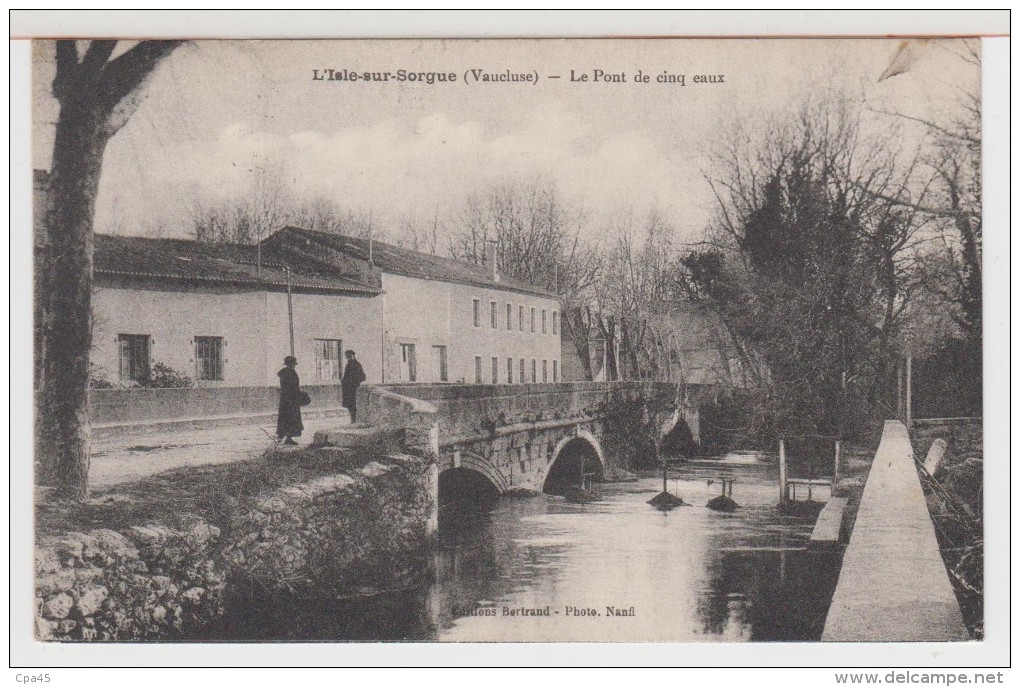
column 126, row 459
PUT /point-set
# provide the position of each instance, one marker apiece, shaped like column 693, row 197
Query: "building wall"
column 354, row 320
column 172, row 318
column 430, row 313
column 253, row 325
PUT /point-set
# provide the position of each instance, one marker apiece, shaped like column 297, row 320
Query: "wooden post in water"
column 783, row 491
column 811, row 475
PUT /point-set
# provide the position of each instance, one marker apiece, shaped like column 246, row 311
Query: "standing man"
column 354, row 375
column 288, row 421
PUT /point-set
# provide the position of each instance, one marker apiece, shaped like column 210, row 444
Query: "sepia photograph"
column 623, row 340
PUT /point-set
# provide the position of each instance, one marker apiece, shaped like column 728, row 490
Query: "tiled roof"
column 395, row 260
column 221, row 263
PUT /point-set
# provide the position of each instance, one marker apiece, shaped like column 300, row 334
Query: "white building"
column 443, row 320
column 220, row 313
column 211, row 311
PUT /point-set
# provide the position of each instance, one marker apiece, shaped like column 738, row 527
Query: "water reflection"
column 688, row 575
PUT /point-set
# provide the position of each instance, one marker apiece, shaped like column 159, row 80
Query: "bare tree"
column 537, row 236
column 97, row 94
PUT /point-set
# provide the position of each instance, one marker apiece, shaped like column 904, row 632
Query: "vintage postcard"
column 515, row 341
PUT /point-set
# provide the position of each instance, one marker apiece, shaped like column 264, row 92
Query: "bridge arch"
column 484, row 467
column 573, row 455
column 462, row 492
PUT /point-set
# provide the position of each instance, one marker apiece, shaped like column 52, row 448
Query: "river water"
column 545, row 569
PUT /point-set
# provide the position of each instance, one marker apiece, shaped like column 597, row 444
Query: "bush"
column 165, row 377
column 98, row 380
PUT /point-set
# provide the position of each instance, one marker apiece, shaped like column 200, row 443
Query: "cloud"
column 395, row 167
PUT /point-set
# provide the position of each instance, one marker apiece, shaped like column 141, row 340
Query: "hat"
column 290, row 359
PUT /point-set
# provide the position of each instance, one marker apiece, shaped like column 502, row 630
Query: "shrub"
column 165, row 377
column 98, row 380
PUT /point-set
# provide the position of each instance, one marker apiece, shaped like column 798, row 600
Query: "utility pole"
column 290, row 311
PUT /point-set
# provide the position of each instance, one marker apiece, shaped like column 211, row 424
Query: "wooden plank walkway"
column 893, row 586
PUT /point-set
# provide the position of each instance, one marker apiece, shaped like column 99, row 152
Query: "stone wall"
column 360, row 531
column 893, row 585
column 470, row 409
column 126, row 406
column 338, row 535
column 145, row 582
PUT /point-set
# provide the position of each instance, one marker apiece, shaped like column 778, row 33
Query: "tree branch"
column 95, row 59
column 126, row 73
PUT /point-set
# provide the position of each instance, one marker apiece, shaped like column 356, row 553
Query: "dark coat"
column 354, row 375
column 288, row 422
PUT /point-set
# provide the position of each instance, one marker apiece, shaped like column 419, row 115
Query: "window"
column 509, row 370
column 209, row 358
column 534, row 371
column 556, row 370
column 133, row 351
column 543, row 321
column 556, row 322
column 327, row 359
column 408, row 363
column 439, row 363
column 532, row 320
column 509, row 316
column 523, row 377
column 492, row 314
column 478, row 369
column 545, row 371
column 495, row 370
column 477, row 306
column 520, row 317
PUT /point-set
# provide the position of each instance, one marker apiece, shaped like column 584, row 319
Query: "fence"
column 814, row 461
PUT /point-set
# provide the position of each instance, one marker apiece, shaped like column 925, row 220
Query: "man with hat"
column 288, row 421
column 354, row 375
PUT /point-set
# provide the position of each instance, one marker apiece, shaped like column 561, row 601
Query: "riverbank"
column 955, row 500
column 162, row 557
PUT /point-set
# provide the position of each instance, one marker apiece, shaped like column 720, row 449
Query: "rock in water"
column 666, row 501
column 521, row 492
column 579, row 495
column 723, row 504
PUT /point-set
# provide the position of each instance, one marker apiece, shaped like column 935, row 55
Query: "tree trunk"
column 579, row 332
column 74, row 182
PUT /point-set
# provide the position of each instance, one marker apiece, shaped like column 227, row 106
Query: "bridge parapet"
column 466, row 409
column 416, row 419
column 513, row 434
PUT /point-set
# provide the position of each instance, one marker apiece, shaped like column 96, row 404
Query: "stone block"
column 46, row 561
column 62, row 581
column 91, row 600
column 114, row 543
column 58, row 606
column 45, row 629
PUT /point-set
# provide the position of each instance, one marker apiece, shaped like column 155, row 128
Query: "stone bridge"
column 531, row 437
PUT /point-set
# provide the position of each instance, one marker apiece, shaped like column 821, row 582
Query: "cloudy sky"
column 217, row 112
